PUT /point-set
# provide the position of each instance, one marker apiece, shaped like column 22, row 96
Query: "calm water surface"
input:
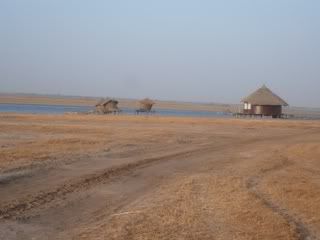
column 61, row 109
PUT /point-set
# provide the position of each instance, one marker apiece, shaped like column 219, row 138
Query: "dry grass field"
column 138, row 177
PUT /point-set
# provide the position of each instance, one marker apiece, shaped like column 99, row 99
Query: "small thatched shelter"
column 145, row 105
column 106, row 106
column 263, row 102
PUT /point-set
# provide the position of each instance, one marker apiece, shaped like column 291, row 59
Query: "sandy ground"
column 137, row 177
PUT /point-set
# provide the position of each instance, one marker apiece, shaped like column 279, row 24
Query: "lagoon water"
column 41, row 109
column 61, row 109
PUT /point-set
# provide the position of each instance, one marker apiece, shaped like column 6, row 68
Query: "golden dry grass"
column 135, row 177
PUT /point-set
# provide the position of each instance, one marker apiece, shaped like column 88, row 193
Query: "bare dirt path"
column 302, row 231
column 86, row 177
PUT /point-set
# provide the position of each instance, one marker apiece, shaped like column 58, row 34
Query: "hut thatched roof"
column 100, row 102
column 147, row 101
column 264, row 96
column 103, row 102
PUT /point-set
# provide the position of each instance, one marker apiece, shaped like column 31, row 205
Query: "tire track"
column 19, row 207
column 12, row 210
column 302, row 232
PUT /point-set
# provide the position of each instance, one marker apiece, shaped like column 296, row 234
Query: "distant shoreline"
column 15, row 98
column 123, row 103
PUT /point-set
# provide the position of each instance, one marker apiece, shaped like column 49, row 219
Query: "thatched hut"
column 263, row 102
column 145, row 105
column 106, row 106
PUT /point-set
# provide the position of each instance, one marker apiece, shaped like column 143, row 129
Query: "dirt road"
column 121, row 177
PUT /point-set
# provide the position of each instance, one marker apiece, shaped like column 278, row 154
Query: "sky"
column 199, row 51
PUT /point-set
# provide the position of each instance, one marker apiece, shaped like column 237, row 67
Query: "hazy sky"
column 205, row 51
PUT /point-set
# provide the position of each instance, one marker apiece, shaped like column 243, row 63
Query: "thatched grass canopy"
column 264, row 97
column 146, row 104
column 107, row 106
column 100, row 102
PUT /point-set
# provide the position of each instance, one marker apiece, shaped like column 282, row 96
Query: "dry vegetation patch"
column 160, row 177
column 297, row 186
